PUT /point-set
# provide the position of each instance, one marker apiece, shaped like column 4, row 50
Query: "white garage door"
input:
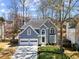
column 28, row 42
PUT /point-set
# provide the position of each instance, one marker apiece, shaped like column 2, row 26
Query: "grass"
column 1, row 49
column 49, row 48
column 51, row 54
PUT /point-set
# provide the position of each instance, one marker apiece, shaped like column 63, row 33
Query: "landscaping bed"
column 50, row 49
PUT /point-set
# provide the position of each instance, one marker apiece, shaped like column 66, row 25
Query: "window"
column 52, row 31
column 43, row 32
column 43, row 39
column 28, row 31
column 24, row 41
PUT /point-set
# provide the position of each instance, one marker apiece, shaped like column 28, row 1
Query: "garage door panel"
column 23, row 43
column 29, row 42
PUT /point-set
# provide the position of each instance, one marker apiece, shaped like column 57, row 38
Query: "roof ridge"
column 36, row 23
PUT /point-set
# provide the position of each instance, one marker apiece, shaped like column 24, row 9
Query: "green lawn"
column 49, row 48
column 52, row 56
column 51, row 53
column 1, row 49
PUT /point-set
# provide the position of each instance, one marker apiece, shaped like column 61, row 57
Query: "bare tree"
column 63, row 11
column 58, row 7
column 23, row 7
column 14, row 16
column 43, row 7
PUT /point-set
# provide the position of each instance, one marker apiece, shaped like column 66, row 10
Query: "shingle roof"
column 35, row 23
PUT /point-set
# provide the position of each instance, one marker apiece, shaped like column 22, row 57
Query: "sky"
column 4, row 7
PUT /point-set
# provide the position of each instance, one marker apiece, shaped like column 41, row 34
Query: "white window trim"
column 28, row 31
column 43, row 36
column 45, row 32
column 51, row 29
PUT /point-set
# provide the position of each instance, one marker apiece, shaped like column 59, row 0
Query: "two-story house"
column 42, row 31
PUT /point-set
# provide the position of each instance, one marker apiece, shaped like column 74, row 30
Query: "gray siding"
column 24, row 34
column 51, row 38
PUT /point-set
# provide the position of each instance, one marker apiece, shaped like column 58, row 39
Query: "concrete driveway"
column 26, row 52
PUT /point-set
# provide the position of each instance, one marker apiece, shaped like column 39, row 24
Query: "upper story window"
column 29, row 31
column 52, row 32
column 43, row 32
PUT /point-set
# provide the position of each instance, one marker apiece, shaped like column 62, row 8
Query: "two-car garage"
column 28, row 37
column 28, row 42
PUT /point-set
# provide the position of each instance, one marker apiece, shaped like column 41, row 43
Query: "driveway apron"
column 26, row 52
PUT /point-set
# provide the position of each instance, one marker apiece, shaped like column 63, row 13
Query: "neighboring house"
column 71, row 32
column 41, row 31
column 2, row 31
column 77, row 34
column 8, row 29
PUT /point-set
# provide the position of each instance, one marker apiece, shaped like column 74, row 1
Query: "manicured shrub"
column 61, row 50
column 67, row 43
column 39, row 44
column 49, row 48
column 75, row 47
column 14, row 41
column 50, row 44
